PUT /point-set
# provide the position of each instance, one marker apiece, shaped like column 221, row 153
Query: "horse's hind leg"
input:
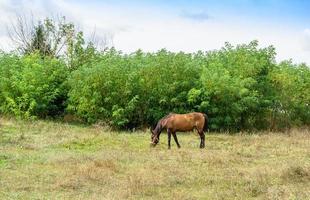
column 169, row 138
column 202, row 139
column 176, row 139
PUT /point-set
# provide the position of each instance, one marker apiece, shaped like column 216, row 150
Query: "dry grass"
column 48, row 160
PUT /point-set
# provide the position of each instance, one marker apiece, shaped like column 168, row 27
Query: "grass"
column 49, row 160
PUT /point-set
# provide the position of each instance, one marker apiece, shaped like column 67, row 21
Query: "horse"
column 181, row 123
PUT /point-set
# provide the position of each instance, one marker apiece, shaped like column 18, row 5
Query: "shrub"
column 239, row 87
column 132, row 90
column 32, row 86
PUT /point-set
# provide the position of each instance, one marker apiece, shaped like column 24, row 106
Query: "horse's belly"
column 183, row 127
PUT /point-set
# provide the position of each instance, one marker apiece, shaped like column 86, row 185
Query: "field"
column 52, row 160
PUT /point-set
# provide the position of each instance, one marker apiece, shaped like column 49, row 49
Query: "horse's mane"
column 158, row 125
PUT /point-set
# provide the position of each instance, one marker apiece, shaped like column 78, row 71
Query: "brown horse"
column 182, row 123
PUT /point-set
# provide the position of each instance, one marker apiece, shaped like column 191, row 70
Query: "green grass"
column 49, row 160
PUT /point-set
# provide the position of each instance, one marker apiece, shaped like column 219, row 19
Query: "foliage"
column 32, row 86
column 53, row 38
column 133, row 90
column 234, row 85
column 239, row 87
column 39, row 42
column 292, row 94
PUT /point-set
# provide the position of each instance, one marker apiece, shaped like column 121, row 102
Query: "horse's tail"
column 206, row 124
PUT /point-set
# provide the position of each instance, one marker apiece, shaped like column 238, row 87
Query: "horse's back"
column 186, row 122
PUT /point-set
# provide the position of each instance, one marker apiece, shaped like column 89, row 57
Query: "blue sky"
column 296, row 11
column 180, row 25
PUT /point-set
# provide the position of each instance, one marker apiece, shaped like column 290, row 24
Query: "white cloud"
column 306, row 40
column 5, row 43
column 152, row 28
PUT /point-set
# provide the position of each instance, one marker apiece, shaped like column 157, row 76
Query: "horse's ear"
column 151, row 130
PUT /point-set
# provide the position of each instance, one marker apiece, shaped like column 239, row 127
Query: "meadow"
column 54, row 160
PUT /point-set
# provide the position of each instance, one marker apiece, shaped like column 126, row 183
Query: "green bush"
column 239, row 87
column 32, row 86
column 164, row 84
column 291, row 86
column 132, row 90
column 235, row 89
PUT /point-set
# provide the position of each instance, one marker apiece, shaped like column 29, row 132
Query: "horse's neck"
column 159, row 127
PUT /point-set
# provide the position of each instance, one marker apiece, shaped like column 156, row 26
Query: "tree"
column 39, row 42
column 54, row 38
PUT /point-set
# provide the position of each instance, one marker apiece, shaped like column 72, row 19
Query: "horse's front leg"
column 176, row 139
column 169, row 138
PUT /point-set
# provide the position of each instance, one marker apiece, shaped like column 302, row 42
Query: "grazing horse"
column 182, row 123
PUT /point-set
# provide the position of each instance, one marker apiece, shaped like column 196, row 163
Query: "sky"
column 179, row 25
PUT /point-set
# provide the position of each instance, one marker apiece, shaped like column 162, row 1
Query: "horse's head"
column 154, row 138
